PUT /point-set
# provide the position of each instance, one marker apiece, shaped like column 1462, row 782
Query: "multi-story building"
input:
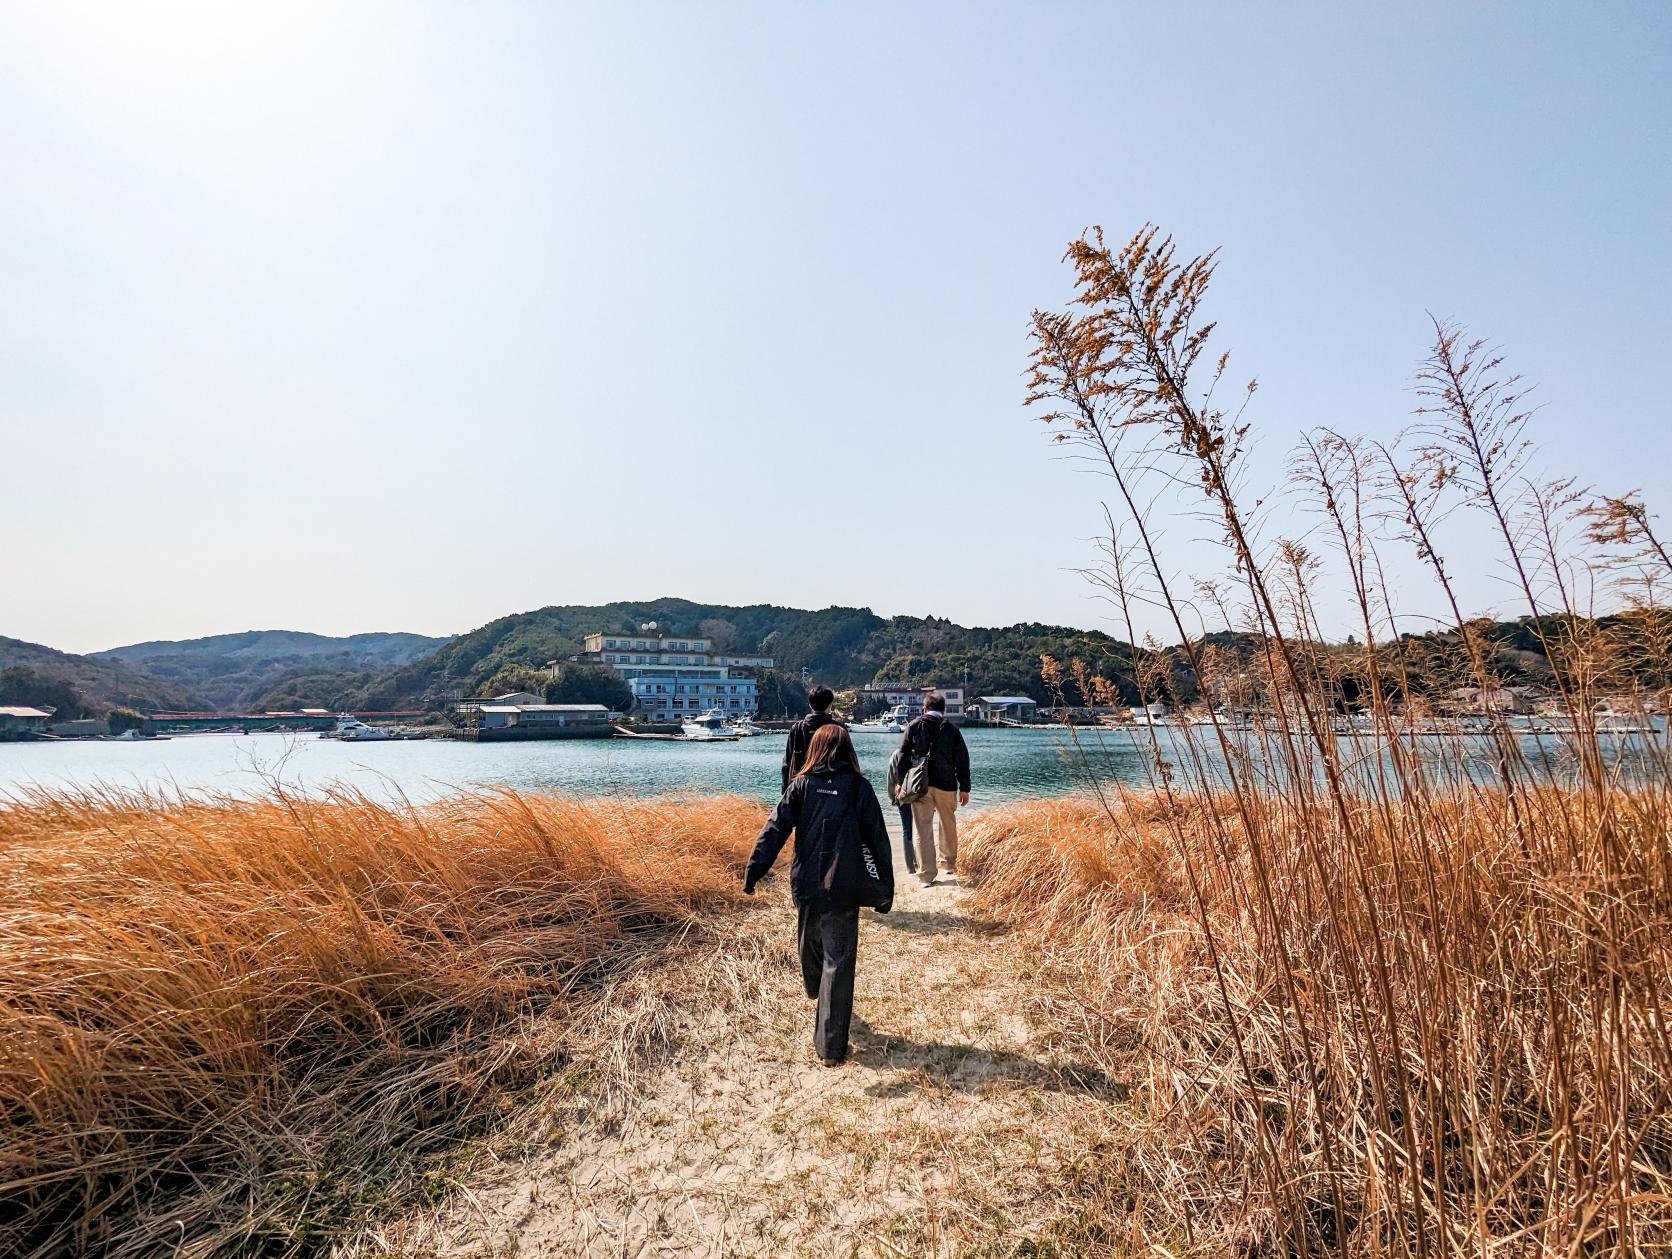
column 912, row 697
column 673, row 677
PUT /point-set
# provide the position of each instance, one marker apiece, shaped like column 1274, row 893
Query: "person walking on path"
column 934, row 737
column 840, row 862
column 819, row 699
column 898, row 764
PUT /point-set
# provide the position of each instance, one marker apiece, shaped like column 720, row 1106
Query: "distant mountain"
column 87, row 682
column 837, row 645
column 841, row 647
column 846, row 647
column 236, row 670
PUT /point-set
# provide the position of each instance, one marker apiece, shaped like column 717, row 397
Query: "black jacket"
column 949, row 762
column 795, row 747
column 838, row 824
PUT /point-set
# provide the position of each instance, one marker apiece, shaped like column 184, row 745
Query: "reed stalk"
column 1398, row 997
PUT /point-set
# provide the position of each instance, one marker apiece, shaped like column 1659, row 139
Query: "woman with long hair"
column 840, row 862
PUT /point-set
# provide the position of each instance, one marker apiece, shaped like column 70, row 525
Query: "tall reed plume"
column 1398, row 995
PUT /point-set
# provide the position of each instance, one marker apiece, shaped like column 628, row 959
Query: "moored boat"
column 893, row 721
column 353, row 730
column 710, row 727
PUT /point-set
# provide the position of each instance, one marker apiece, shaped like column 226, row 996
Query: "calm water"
column 1008, row 764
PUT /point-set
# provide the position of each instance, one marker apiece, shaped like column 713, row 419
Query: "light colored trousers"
column 944, row 805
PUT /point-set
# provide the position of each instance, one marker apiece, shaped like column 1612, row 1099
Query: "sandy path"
column 710, row 1129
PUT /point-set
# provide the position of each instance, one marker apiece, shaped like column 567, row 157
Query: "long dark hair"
column 831, row 748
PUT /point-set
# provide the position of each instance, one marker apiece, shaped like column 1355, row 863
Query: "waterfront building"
column 494, row 720
column 1000, row 708
column 673, row 677
column 893, row 695
column 79, row 728
column 1497, row 699
column 19, row 721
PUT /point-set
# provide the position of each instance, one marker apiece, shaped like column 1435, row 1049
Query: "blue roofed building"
column 674, row 677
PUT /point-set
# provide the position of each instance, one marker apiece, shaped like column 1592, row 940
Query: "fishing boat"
column 894, row 721
column 710, row 727
column 744, row 727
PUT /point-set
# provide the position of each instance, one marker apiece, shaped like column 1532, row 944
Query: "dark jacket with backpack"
column 841, row 856
column 934, row 736
column 795, row 747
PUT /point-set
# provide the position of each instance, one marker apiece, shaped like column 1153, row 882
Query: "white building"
column 1005, row 708
column 912, row 697
column 524, row 715
column 673, row 677
column 555, row 717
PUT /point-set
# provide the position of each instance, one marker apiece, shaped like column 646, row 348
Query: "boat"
column 711, row 727
column 353, row 730
column 745, row 727
column 894, row 721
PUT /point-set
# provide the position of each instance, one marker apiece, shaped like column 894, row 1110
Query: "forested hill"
column 255, row 668
column 74, row 685
column 846, row 647
column 838, row 646
column 842, row 647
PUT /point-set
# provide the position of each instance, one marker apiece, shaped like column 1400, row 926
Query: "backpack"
column 915, row 785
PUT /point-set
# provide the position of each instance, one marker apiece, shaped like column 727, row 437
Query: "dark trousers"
column 828, row 941
column 906, row 846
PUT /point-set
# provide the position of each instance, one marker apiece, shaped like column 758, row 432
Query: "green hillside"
column 37, row 674
column 838, row 646
column 846, row 647
column 842, row 647
column 259, row 668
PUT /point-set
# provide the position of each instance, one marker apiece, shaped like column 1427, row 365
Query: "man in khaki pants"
column 933, row 736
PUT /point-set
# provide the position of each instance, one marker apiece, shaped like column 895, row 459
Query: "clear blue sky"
column 405, row 316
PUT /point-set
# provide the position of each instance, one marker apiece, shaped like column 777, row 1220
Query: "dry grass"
column 1508, row 1093
column 230, row 1026
column 1400, row 992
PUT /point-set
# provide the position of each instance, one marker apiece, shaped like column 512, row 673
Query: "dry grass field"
column 235, row 1027
column 1139, row 1023
column 1421, row 1038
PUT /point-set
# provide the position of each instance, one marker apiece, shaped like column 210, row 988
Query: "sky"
column 408, row 316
